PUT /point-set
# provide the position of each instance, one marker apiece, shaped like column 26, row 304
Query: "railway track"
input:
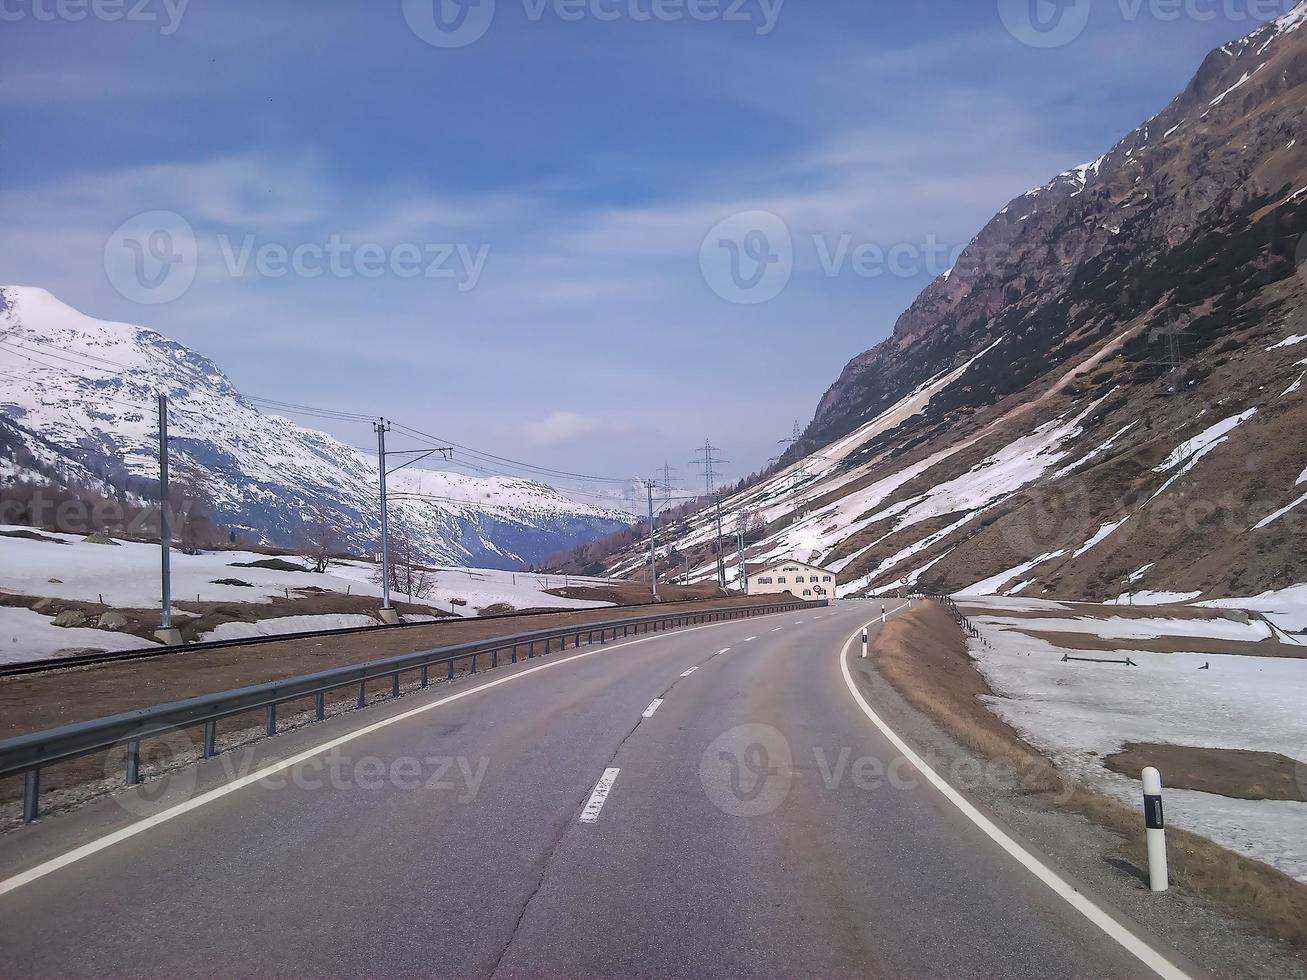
column 119, row 656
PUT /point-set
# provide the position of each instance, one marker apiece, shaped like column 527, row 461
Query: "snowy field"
column 126, row 576
column 1078, row 713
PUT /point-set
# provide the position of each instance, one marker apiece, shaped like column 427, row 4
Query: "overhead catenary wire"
column 483, row 462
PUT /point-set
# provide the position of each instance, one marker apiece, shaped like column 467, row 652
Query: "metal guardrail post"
column 394, row 684
column 272, row 719
column 320, row 705
column 363, row 692
column 134, row 762
column 426, row 671
column 210, row 738
column 31, row 794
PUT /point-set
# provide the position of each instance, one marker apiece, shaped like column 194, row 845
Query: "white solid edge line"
column 596, row 802
column 131, row 830
column 653, row 706
column 1154, row 960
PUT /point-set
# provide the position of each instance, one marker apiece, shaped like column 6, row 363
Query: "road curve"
column 708, row 802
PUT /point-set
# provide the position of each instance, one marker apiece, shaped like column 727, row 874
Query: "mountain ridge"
column 1019, row 429
column 79, row 396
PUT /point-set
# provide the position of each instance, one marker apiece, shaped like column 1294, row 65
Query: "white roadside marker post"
column 1155, row 829
column 882, row 612
column 864, row 643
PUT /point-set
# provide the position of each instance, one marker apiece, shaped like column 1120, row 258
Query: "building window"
column 765, row 581
column 825, row 578
column 781, row 580
column 807, row 591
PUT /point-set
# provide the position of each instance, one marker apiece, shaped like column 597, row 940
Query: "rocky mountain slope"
column 1104, row 395
column 77, row 404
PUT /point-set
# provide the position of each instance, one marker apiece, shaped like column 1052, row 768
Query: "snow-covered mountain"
column 77, row 400
column 1106, row 394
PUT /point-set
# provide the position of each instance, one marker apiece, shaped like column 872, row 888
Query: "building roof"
column 766, row 566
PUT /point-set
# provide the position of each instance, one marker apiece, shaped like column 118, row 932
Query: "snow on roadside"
column 126, row 576
column 1150, row 628
column 1284, row 608
column 289, row 624
column 1145, row 597
column 27, row 635
column 1078, row 713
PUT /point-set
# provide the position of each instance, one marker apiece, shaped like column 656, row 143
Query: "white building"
column 795, row 577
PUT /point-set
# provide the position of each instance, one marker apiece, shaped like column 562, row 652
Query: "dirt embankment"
column 923, row 654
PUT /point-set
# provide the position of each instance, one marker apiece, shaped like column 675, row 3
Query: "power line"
column 491, row 457
column 309, row 409
column 508, row 466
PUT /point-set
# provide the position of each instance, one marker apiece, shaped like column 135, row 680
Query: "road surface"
column 706, row 802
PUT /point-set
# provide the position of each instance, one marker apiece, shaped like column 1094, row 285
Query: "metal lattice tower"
column 709, row 463
column 667, row 470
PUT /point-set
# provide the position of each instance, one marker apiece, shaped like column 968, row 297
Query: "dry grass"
column 924, row 655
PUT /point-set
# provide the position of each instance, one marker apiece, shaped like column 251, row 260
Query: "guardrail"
column 29, row 754
column 964, row 623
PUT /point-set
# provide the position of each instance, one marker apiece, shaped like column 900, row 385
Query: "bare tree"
column 192, row 509
column 408, row 573
column 320, row 540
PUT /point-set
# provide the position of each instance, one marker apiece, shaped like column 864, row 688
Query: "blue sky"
column 521, row 217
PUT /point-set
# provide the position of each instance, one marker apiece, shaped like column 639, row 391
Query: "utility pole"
column 388, row 613
column 653, row 551
column 709, row 474
column 721, row 558
column 166, row 633
column 742, row 521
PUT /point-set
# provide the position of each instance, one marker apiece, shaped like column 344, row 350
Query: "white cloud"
column 558, row 428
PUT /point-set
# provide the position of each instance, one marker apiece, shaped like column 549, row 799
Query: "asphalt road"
column 756, row 825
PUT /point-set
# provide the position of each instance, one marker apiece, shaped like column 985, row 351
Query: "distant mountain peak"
column 85, row 389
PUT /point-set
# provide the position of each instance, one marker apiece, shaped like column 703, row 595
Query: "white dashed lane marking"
column 653, row 706
column 778, row 629
column 596, row 803
column 689, row 672
column 750, row 639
